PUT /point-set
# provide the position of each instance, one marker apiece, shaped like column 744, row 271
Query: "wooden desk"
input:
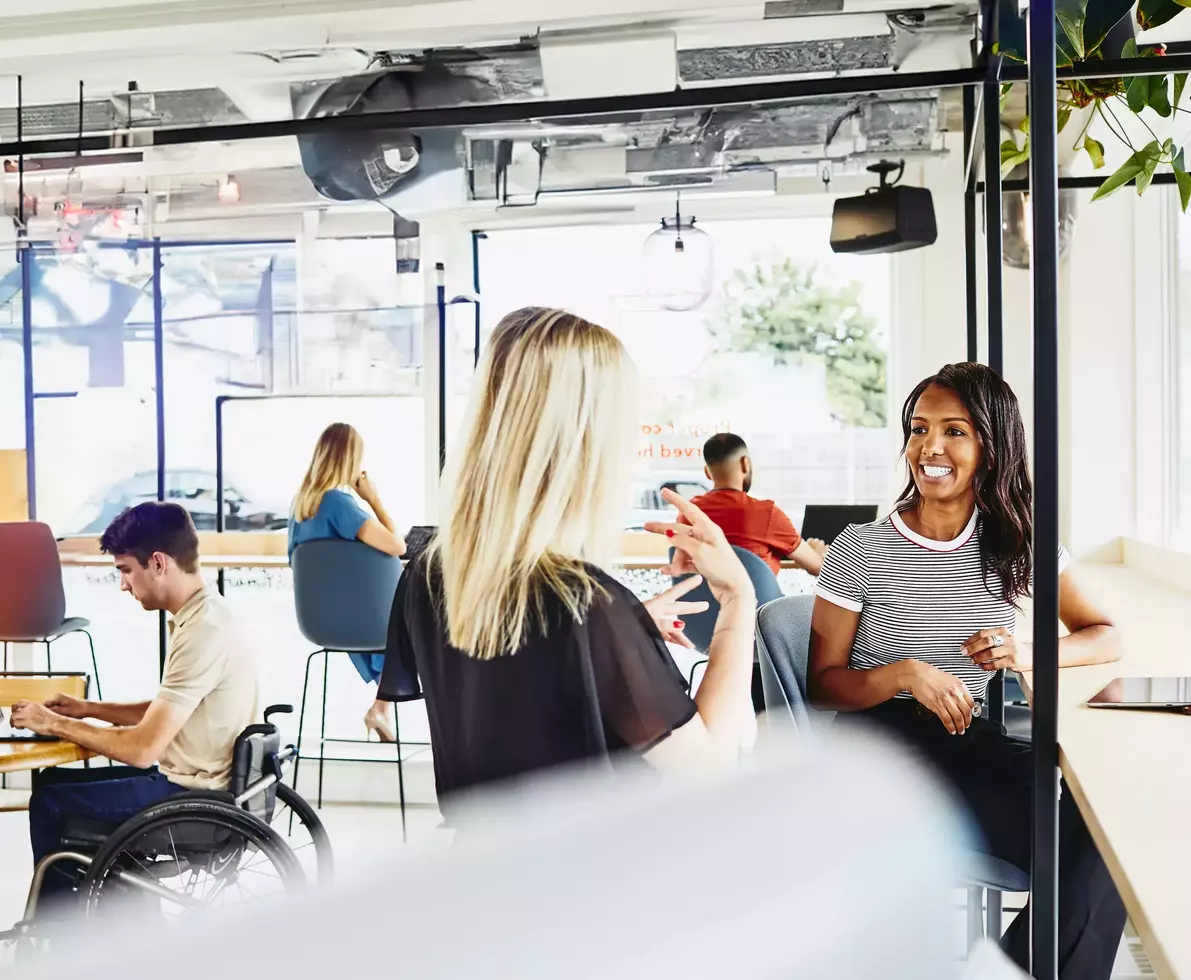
column 23, row 756
column 72, row 559
column 1130, row 771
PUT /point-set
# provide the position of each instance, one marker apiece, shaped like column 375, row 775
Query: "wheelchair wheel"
column 185, row 855
column 298, row 824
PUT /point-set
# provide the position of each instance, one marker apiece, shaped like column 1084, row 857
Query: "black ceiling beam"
column 493, row 113
column 682, row 99
column 1074, row 183
column 1155, row 65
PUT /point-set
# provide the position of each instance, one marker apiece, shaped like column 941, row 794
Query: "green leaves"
column 1085, row 23
column 1140, row 167
column 1183, row 179
column 1180, row 82
column 1153, row 13
column 1070, row 17
column 793, row 313
column 1064, row 115
column 1012, row 156
column 1148, row 92
column 1095, row 151
column 1080, row 28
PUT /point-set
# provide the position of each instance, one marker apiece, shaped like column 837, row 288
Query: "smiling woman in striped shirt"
column 915, row 613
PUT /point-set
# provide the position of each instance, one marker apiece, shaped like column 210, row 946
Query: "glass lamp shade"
column 1018, row 224
column 679, row 265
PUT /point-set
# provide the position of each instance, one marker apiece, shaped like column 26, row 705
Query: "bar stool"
column 343, row 595
column 32, row 598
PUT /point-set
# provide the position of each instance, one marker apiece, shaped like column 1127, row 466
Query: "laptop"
column 10, row 734
column 1145, row 694
column 416, row 541
column 826, row 521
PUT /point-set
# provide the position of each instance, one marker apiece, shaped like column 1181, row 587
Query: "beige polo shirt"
column 211, row 672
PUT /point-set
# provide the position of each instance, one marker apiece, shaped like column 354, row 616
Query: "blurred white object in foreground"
column 837, row 863
column 987, row 962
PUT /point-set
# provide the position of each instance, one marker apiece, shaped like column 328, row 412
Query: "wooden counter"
column 1130, row 771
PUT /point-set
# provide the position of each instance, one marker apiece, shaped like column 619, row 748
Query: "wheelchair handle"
column 278, row 709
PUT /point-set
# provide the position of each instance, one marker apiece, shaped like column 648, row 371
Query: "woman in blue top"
column 324, row 509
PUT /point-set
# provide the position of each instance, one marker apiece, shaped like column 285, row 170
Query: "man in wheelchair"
column 180, row 741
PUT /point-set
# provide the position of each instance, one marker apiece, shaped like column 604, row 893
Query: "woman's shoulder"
column 864, row 537
column 336, row 498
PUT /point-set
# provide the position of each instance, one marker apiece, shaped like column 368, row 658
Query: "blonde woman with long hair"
column 324, row 509
column 529, row 653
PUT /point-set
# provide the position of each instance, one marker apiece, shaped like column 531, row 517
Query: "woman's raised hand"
column 700, row 546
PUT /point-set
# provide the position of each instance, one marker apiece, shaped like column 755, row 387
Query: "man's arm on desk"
column 138, row 745
column 124, row 715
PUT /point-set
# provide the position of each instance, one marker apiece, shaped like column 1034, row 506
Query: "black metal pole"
column 993, row 241
column 219, row 523
column 440, row 271
column 476, row 236
column 1044, row 194
column 159, row 405
column 970, row 227
column 26, row 257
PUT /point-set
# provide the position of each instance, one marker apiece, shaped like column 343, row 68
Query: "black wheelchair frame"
column 219, row 826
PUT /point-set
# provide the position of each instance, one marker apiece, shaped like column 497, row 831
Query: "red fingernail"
column 679, row 624
column 669, row 534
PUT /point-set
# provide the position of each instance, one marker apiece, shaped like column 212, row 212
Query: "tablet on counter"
column 1145, row 694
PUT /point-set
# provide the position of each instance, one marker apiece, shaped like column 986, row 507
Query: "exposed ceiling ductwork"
column 517, row 165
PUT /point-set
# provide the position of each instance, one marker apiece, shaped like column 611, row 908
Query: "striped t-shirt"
column 918, row 599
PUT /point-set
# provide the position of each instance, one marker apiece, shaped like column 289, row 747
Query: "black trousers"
column 993, row 773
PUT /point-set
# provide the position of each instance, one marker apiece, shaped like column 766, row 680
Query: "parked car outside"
column 194, row 490
column 647, row 503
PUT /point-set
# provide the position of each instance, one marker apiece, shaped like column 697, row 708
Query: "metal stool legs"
column 993, row 915
column 322, row 739
column 984, row 920
column 301, row 719
column 322, row 732
column 400, row 768
column 49, row 665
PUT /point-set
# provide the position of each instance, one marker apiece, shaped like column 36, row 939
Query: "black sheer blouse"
column 582, row 691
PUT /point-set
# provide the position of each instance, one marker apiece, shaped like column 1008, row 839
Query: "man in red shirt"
column 759, row 526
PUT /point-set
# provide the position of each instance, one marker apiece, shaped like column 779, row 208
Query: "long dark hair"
column 1004, row 493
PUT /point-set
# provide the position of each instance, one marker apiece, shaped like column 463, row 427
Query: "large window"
column 789, row 352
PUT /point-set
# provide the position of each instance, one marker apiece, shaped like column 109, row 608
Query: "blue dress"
column 338, row 516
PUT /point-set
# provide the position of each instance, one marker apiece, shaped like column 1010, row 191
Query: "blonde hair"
column 338, row 455
column 536, row 486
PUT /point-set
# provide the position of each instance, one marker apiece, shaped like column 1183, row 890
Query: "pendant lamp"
column 679, row 263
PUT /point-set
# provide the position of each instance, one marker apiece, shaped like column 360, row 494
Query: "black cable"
column 835, row 126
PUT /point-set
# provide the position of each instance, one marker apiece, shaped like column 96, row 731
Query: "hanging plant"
column 1087, row 31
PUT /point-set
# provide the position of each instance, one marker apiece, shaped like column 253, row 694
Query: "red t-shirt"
column 759, row 526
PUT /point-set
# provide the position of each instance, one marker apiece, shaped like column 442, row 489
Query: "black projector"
column 889, row 218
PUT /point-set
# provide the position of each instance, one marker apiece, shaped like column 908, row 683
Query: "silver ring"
column 977, row 710
column 998, row 640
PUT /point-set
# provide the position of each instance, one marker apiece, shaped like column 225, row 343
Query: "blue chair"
column 32, row 598
column 783, row 646
column 701, row 626
column 343, row 596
